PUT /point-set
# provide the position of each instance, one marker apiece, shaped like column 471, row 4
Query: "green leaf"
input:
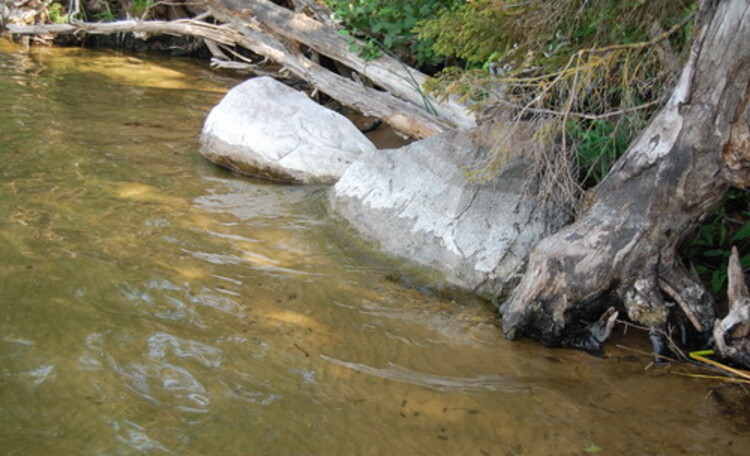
column 742, row 234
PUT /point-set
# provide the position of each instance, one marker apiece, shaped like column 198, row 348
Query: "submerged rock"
column 418, row 203
column 266, row 129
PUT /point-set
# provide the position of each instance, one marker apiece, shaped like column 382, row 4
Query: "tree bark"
column 622, row 252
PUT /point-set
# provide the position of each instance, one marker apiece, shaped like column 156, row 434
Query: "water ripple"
column 134, row 437
column 39, row 375
column 156, row 376
column 160, row 344
column 162, row 383
column 441, row 383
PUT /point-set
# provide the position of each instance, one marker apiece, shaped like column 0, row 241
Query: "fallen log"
column 401, row 115
column 179, row 27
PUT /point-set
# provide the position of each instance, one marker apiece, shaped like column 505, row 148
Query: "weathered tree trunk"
column 624, row 246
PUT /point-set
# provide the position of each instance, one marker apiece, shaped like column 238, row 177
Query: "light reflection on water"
column 153, row 304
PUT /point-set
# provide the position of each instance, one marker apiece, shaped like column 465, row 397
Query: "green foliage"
column 545, row 33
column 727, row 226
column 388, row 24
column 475, row 32
column 598, row 144
column 55, row 13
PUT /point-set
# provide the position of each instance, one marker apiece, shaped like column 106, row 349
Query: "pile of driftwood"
column 298, row 40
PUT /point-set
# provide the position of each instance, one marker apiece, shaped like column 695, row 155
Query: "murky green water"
column 153, row 304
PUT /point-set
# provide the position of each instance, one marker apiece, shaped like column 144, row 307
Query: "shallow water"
column 154, row 304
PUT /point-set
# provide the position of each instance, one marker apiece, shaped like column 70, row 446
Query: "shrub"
column 387, row 25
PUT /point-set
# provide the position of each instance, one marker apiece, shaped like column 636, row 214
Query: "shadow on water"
column 153, row 304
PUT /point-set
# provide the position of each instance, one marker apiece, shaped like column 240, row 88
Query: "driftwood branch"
column 219, row 34
column 732, row 333
column 686, row 308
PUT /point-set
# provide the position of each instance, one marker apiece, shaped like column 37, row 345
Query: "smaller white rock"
column 266, row 129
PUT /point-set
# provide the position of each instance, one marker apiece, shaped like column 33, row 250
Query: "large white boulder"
column 418, row 204
column 266, row 129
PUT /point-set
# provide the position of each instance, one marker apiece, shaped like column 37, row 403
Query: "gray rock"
column 418, row 204
column 266, row 129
